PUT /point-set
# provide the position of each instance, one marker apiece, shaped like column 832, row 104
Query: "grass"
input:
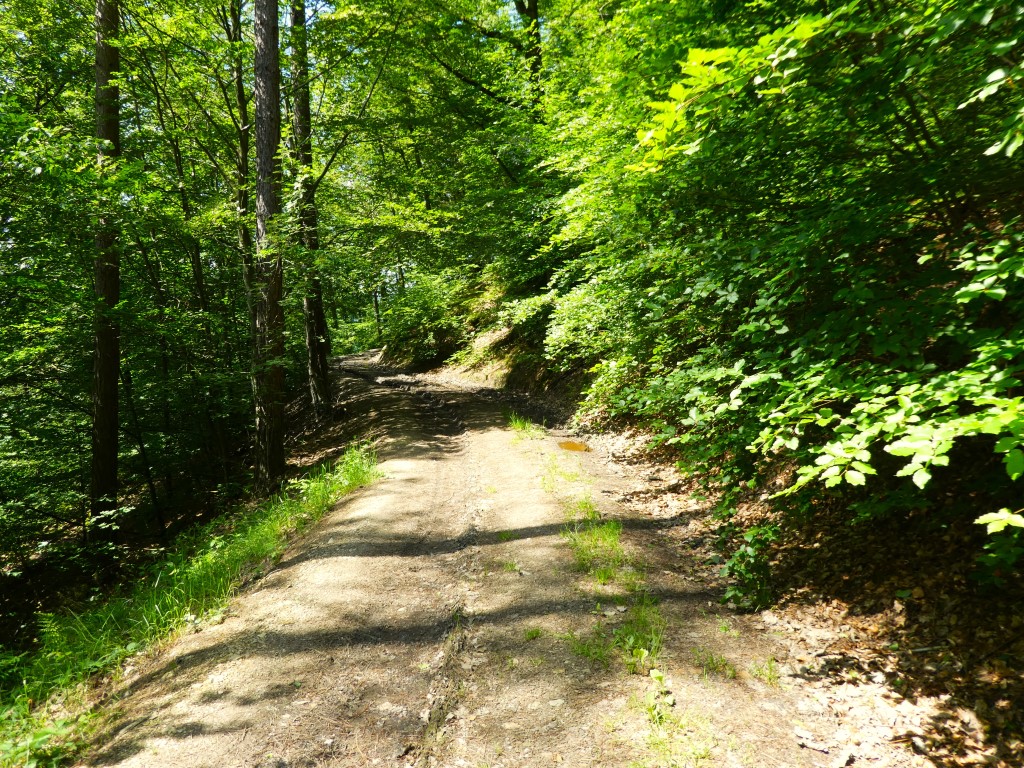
column 195, row 580
column 597, row 548
column 596, row 544
column 767, row 672
column 676, row 739
column 638, row 639
column 641, row 636
column 556, row 475
column 523, row 427
column 532, row 633
column 727, row 629
column 594, row 646
column 712, row 663
column 510, row 566
column 583, row 510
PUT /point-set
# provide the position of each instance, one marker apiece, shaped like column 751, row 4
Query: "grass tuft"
column 767, row 672
column 194, row 581
column 641, row 636
column 523, row 427
column 712, row 663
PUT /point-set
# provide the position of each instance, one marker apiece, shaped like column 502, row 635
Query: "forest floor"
column 439, row 618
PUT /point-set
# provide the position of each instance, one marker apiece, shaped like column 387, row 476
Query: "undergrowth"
column 44, row 718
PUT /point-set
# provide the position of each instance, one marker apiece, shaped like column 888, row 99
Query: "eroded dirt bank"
column 437, row 617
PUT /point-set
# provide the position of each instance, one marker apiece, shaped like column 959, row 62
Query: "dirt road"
column 437, row 618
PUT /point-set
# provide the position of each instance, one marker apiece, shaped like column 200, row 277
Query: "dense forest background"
column 783, row 237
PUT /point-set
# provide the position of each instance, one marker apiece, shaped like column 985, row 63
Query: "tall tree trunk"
column 529, row 13
column 318, row 343
column 107, row 279
column 232, row 23
column 268, row 368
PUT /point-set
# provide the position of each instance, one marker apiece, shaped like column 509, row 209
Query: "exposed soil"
column 427, row 622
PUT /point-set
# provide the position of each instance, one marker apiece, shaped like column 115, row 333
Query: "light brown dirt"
column 424, row 622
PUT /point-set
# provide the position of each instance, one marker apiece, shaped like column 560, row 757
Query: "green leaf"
column 998, row 521
column 853, row 477
column 921, row 478
column 1014, row 463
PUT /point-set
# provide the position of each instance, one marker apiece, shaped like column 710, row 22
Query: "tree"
column 268, row 363
column 318, row 340
column 107, row 280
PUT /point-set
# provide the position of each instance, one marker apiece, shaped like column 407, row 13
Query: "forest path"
column 428, row 621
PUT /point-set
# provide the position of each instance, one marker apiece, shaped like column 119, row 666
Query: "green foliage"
column 423, row 321
column 749, row 569
column 1005, row 546
column 815, row 260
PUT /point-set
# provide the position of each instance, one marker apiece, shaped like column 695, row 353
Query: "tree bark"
column 318, row 344
column 231, row 19
column 107, row 274
column 268, row 367
column 529, row 13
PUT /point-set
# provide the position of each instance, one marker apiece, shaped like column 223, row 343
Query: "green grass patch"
column 597, row 546
column 199, row 574
column 638, row 639
column 712, row 663
column 675, row 738
column 767, row 672
column 523, row 427
column 595, row 646
column 641, row 636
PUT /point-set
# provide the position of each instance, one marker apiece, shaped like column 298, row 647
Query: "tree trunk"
column 107, row 277
column 529, row 13
column 317, row 335
column 232, row 22
column 268, row 368
column 376, row 313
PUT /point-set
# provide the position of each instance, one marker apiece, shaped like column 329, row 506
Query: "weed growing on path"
column 641, row 636
column 594, row 646
column 523, row 427
column 675, row 738
column 712, row 663
column 195, row 580
column 596, row 544
column 597, row 548
column 767, row 672
column 727, row 629
column 556, row 475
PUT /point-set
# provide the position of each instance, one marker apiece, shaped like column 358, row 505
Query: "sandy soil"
column 426, row 622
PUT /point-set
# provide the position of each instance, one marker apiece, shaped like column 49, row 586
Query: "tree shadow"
column 905, row 607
